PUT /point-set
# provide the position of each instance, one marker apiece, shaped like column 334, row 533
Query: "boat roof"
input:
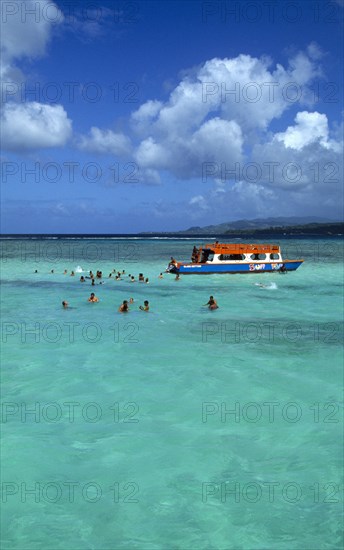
column 237, row 248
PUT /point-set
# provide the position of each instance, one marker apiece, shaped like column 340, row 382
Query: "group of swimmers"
column 116, row 275
column 123, row 308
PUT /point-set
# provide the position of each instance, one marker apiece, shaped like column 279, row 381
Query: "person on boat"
column 124, row 308
column 194, row 255
column 93, row 298
column 145, row 306
column 283, row 269
column 212, row 304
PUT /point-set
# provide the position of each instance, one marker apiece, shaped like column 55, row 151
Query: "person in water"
column 160, row 276
column 124, row 308
column 65, row 304
column 82, row 279
column 131, row 301
column 177, row 277
column 283, row 269
column 145, row 306
column 93, row 298
column 212, row 304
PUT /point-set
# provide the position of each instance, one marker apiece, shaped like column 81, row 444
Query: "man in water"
column 212, row 304
column 124, row 308
column 93, row 298
column 145, row 306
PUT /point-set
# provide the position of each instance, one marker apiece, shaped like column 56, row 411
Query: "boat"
column 234, row 258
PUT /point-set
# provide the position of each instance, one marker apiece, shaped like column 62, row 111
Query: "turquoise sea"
column 180, row 428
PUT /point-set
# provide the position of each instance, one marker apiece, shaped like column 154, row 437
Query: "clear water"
column 116, row 428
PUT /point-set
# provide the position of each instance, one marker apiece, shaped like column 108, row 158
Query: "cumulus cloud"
column 33, row 125
column 309, row 128
column 26, row 30
column 105, row 141
column 215, row 126
column 217, row 109
column 25, row 33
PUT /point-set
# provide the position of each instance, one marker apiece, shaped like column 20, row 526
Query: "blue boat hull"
column 201, row 269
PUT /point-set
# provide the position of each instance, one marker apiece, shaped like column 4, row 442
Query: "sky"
column 130, row 116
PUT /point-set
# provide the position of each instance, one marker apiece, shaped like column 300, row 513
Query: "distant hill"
column 256, row 224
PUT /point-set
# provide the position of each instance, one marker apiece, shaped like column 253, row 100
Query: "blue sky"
column 120, row 117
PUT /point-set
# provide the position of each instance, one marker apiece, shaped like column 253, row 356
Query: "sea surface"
column 180, row 428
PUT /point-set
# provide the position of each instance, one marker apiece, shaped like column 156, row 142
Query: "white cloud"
column 105, row 141
column 309, row 128
column 216, row 108
column 26, row 29
column 199, row 202
column 33, row 125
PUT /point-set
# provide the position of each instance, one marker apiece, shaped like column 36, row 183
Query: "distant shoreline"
column 308, row 230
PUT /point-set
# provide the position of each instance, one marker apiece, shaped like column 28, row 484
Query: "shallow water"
column 179, row 428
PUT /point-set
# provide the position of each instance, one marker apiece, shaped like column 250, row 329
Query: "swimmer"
column 36, row 270
column 141, row 277
column 145, row 306
column 82, row 279
column 93, row 282
column 124, row 308
column 212, row 304
column 147, row 281
column 160, row 276
column 131, row 301
column 52, row 271
column 132, row 280
column 65, row 304
column 65, row 272
column 177, row 277
column 72, row 274
column 93, row 298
